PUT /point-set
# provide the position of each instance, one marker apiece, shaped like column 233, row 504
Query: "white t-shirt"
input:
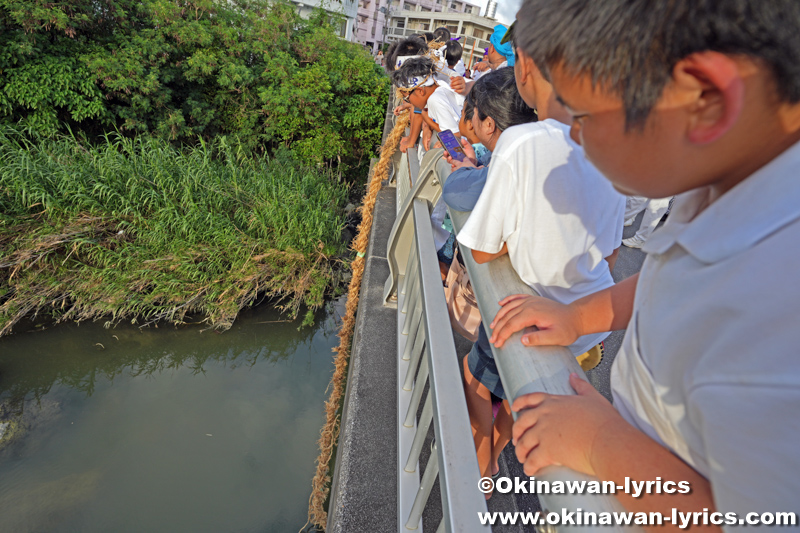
column 444, row 107
column 709, row 364
column 558, row 215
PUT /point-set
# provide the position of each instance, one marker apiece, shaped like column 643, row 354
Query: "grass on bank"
column 135, row 229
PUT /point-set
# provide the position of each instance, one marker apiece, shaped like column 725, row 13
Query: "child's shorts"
column 445, row 253
column 482, row 366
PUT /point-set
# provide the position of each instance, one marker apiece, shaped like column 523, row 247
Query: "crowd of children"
column 599, row 100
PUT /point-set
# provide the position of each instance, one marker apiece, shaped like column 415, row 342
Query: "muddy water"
column 172, row 430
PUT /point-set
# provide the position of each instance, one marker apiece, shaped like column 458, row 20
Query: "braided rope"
column 329, row 434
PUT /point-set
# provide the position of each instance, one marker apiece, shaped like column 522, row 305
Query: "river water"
column 163, row 429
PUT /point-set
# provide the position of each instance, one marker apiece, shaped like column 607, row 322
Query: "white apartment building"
column 375, row 17
column 473, row 29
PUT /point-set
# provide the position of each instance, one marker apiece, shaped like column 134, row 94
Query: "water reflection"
column 163, row 429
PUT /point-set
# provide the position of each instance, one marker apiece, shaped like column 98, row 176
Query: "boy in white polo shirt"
column 706, row 386
column 557, row 218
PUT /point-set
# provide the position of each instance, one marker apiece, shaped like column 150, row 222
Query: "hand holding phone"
column 452, row 145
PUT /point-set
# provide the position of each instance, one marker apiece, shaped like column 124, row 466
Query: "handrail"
column 426, row 187
column 458, row 464
column 426, row 355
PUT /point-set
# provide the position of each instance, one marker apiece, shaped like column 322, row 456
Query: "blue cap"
column 504, row 49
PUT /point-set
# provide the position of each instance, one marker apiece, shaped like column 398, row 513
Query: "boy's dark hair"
column 429, row 36
column 468, row 108
column 453, row 53
column 495, row 95
column 418, row 67
column 407, row 47
column 629, row 47
column 441, row 34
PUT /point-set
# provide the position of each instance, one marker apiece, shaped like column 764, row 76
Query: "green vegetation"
column 184, row 70
column 135, row 228
column 160, row 158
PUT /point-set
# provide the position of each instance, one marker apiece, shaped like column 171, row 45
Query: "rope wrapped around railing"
column 329, row 434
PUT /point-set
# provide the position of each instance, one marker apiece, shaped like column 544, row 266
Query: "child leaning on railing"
column 546, row 207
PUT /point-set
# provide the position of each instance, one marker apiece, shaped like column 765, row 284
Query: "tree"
column 183, row 70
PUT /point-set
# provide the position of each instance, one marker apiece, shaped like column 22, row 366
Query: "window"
column 477, row 33
column 401, row 23
column 452, row 29
column 425, row 8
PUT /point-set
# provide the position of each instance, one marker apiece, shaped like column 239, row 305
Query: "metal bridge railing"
column 426, row 358
column 426, row 354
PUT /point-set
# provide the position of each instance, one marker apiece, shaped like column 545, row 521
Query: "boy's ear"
column 521, row 60
column 716, row 87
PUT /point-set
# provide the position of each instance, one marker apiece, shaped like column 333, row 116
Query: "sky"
column 506, row 9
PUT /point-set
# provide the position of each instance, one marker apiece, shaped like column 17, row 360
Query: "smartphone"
column 452, row 145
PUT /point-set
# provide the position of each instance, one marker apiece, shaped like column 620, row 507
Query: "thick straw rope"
column 330, row 431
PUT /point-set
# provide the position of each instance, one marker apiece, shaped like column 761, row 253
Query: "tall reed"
column 133, row 228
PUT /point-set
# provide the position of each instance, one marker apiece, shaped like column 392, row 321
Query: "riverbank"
column 134, row 229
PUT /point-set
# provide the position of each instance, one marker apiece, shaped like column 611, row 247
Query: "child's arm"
column 585, row 433
column 483, row 257
column 427, row 133
column 416, row 127
column 560, row 324
column 429, row 121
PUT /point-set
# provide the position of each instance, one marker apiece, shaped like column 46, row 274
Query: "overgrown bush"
column 184, row 70
column 134, row 228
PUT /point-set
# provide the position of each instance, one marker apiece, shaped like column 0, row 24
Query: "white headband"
column 403, row 59
column 417, row 82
